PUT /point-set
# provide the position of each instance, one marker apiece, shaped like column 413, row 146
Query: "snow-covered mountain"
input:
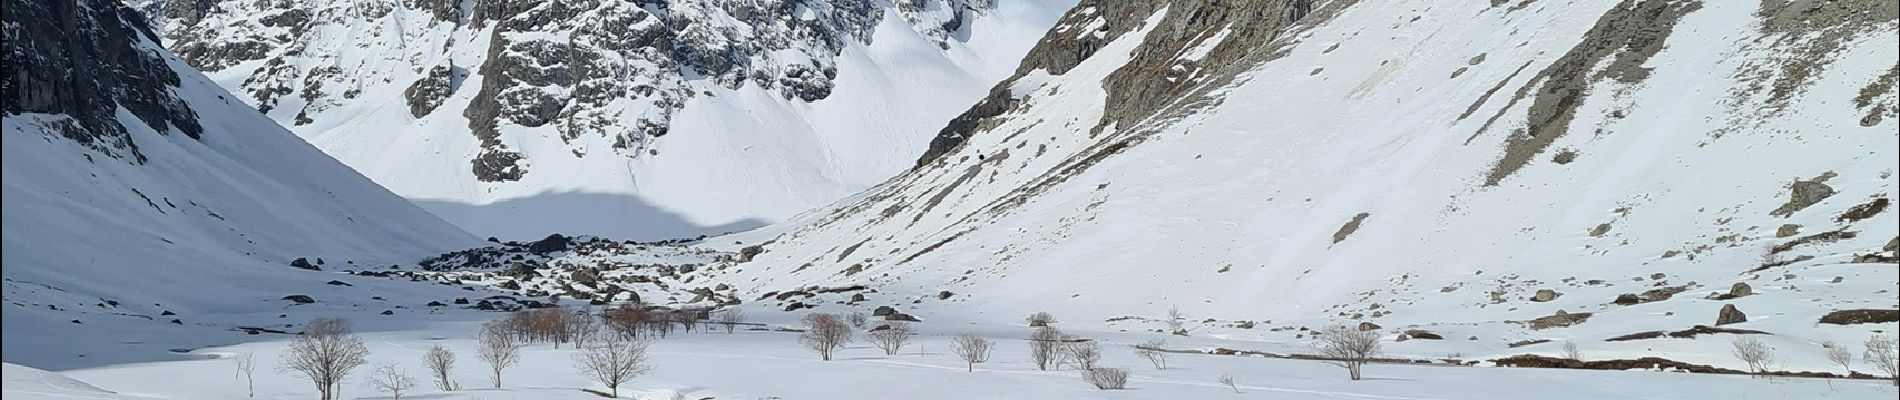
column 1497, row 173
column 141, row 198
column 638, row 119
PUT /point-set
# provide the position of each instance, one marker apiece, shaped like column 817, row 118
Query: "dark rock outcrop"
column 1865, row 316
column 85, row 59
column 1730, row 315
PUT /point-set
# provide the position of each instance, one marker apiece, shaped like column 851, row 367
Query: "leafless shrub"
column 1106, row 378
column 1229, row 381
column 498, row 348
column 1572, row 352
column 1754, row 353
column 857, row 319
column 388, row 379
column 1176, row 320
column 613, row 360
column 1041, row 319
column 247, row 368
column 825, row 334
column 440, row 362
column 1880, row 352
column 1348, row 347
column 1085, row 354
column 973, row 350
column 1045, row 346
column 1152, row 351
column 1839, row 355
column 730, row 317
column 892, row 336
column 325, row 352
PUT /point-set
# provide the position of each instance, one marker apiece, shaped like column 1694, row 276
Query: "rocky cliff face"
column 83, row 60
column 595, row 68
column 671, row 107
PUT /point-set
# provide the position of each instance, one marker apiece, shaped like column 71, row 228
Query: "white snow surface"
column 1229, row 211
column 202, row 227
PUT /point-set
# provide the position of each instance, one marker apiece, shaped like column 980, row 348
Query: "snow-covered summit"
column 639, row 119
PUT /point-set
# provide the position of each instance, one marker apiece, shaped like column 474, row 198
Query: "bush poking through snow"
column 1106, row 378
column 973, row 350
column 1040, row 319
column 388, row 379
column 1754, row 353
column 1229, row 381
column 1176, row 320
column 611, row 360
column 325, row 352
column 1085, row 354
column 498, row 348
column 825, row 334
column 1881, row 353
column 892, row 336
column 857, row 319
column 1571, row 351
column 1838, row 354
column 1152, row 351
column 1348, row 347
column 1045, row 346
column 441, row 362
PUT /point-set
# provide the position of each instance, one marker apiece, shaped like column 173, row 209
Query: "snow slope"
column 1270, row 167
column 518, row 119
column 175, row 198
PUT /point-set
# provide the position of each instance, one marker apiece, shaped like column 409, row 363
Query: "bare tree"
column 1175, row 321
column 730, row 317
column 1348, row 347
column 1155, row 352
column 1880, row 352
column 1041, row 319
column 684, row 317
column 1572, row 352
column 1084, row 353
column 440, row 362
column 388, row 379
column 1839, row 355
column 972, row 349
column 825, row 334
column 247, row 368
column 1045, row 347
column 1754, row 353
column 624, row 320
column 1229, row 381
column 498, row 348
column 891, row 336
column 857, row 319
column 581, row 326
column 613, row 360
column 325, row 352
column 1106, row 378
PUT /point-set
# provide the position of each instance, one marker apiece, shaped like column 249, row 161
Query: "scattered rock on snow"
column 1730, row 315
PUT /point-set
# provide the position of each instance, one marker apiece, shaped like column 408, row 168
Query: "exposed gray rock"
column 1544, row 295
column 1730, row 315
column 1805, row 193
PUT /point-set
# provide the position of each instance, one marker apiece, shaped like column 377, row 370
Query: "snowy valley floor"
column 770, row 365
